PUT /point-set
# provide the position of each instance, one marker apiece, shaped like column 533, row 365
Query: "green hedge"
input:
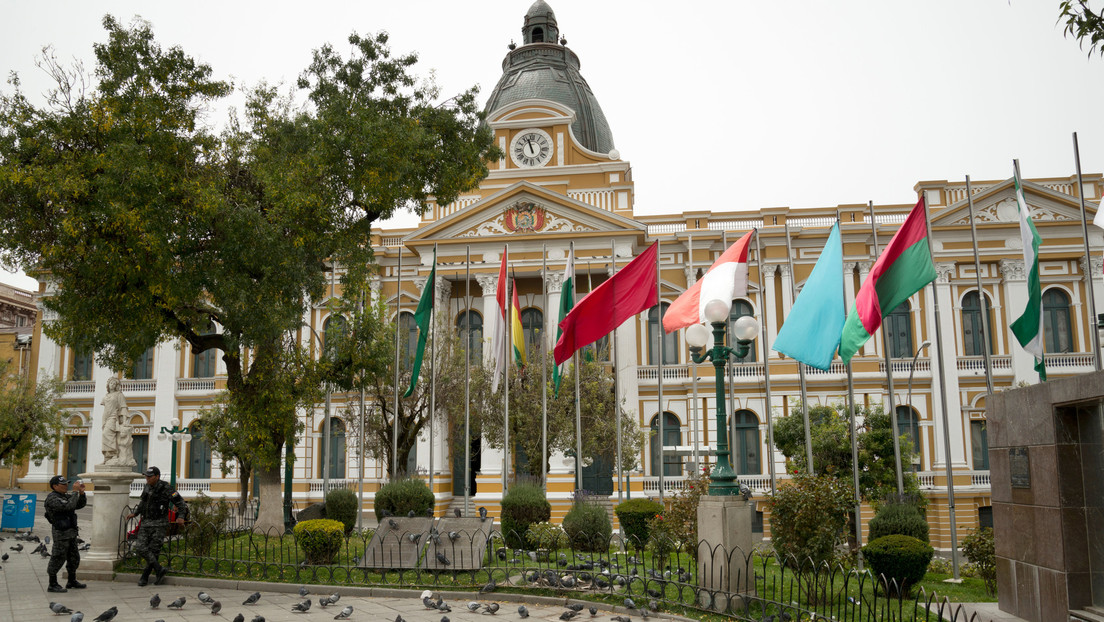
column 402, row 496
column 899, row 518
column 634, row 516
column 320, row 539
column 588, row 527
column 903, row 559
column 342, row 505
column 523, row 505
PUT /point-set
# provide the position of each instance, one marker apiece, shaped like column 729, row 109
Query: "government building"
column 563, row 181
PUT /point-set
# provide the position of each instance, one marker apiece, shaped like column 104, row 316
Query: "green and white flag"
column 1028, row 328
column 567, row 301
column 422, row 318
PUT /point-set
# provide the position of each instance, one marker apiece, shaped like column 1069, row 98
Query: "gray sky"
column 718, row 105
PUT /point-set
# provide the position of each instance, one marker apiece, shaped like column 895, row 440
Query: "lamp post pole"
column 177, row 433
column 912, row 368
column 723, row 480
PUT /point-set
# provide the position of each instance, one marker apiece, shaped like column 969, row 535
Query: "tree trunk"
column 270, row 517
column 243, row 484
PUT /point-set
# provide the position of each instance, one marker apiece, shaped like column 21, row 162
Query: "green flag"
column 567, row 301
column 422, row 317
column 1028, row 328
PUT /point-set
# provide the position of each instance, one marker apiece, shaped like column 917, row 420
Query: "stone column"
column 725, row 543
column 949, row 382
column 554, row 282
column 770, row 303
column 489, row 478
column 110, row 486
column 870, row 347
column 1089, row 269
column 787, row 288
column 1015, row 287
column 489, row 284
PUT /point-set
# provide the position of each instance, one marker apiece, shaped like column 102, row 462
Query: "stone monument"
column 725, row 564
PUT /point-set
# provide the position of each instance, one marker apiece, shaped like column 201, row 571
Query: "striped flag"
column 567, row 300
column 1028, row 328
column 498, row 340
column 517, row 336
column 422, row 317
column 726, row 279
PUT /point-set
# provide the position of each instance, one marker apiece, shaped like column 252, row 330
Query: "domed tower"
column 544, row 68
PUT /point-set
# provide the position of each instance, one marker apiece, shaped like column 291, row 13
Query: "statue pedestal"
column 110, row 488
column 726, row 568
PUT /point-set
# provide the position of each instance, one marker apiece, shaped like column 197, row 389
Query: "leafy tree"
column 832, row 448
column 30, row 419
column 153, row 228
column 1083, row 23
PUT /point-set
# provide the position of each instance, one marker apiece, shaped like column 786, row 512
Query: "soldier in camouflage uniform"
column 153, row 507
column 61, row 512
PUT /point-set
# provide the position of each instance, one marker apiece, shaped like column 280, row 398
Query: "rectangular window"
column 979, row 443
column 143, row 367
column 82, row 365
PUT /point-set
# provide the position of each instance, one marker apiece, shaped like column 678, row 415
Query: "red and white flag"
column 726, row 279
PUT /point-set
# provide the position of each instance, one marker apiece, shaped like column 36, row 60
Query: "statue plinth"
column 726, row 569
column 110, row 493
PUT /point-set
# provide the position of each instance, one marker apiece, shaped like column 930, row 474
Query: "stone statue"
column 117, row 438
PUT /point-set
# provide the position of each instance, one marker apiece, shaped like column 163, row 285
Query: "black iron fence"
column 746, row 586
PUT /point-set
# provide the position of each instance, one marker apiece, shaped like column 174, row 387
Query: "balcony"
column 82, row 388
column 677, row 483
column 195, row 384
column 138, row 386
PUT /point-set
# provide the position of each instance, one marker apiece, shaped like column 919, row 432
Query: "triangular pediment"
column 524, row 209
column 997, row 204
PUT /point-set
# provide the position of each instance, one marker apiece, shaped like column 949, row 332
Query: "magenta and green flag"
column 903, row 268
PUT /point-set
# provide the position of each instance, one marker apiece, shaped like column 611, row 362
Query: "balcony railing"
column 978, row 479
column 137, row 386
column 186, row 487
column 676, row 483
column 80, row 386
column 195, row 384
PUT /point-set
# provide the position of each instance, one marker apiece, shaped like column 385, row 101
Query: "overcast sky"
column 718, row 105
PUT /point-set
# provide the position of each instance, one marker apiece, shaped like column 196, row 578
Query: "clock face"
column 531, row 148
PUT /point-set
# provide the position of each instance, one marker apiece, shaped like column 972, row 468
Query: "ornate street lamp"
column 723, row 477
column 177, row 433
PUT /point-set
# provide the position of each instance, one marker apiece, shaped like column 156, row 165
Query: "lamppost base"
column 725, row 546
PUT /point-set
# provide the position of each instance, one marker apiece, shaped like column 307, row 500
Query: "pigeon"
column 216, row 607
column 567, row 615
column 629, row 604
column 303, row 591
column 654, row 593
column 522, row 611
column 491, row 608
column 178, row 603
column 4, row 557
column 429, row 512
column 428, row 602
column 576, row 607
column 593, row 611
column 76, row 617
column 302, row 607
column 621, row 619
column 59, row 608
column 345, row 613
column 85, row 546
column 444, row 619
column 392, row 523
column 454, row 536
column 239, row 618
column 252, row 599
column 107, row 615
column 17, row 548
column 474, row 606
column 205, row 598
column 410, row 514
column 385, row 513
column 482, row 514
column 155, row 601
column 653, row 605
column 456, row 511
column 399, row 618
column 442, row 559
column 326, row 601
column 258, row 618
column 414, row 537
column 489, row 587
column 41, row 548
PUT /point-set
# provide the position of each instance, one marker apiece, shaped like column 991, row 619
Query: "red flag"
column 632, row 290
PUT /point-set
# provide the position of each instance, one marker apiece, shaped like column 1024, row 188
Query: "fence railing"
column 465, row 554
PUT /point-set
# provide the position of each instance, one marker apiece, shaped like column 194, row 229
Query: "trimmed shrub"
column 903, row 559
column 207, row 518
column 523, row 505
column 400, row 497
column 662, row 540
column 981, row 551
column 320, row 539
column 341, row 505
column 635, row 516
column 899, row 518
column 588, row 527
column 546, row 535
column 808, row 517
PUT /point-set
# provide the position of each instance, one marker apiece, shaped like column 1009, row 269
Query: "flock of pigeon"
column 215, row 606
column 572, row 611
column 42, row 548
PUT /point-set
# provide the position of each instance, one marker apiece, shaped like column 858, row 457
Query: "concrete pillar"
column 770, row 304
column 725, row 544
column 949, row 382
column 110, row 488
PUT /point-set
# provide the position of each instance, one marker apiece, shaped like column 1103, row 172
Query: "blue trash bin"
column 19, row 512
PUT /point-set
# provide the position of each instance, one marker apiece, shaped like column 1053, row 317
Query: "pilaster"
column 1015, row 279
column 770, row 302
column 948, row 384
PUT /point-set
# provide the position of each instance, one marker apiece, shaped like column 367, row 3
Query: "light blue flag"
column 813, row 326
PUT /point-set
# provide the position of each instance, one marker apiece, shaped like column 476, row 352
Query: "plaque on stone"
column 461, row 544
column 1019, row 467
column 397, row 543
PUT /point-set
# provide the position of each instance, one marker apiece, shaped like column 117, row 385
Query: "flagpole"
column 467, row 381
column 508, row 316
column 694, row 414
column 888, row 366
column 659, row 377
column 1088, row 261
column 1026, row 214
column 766, row 368
column 800, row 365
column 544, row 369
column 851, row 420
column 983, row 302
column 943, row 400
column 731, row 367
column 616, row 391
column 432, row 368
column 360, row 439
column 578, row 407
column 395, row 418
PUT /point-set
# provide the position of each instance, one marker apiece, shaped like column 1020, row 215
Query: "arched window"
column 538, row 35
column 1056, row 321
column 203, row 363
column 336, row 448
column 82, row 365
column 745, row 443
column 199, row 453
column 408, row 340
column 143, row 369
column 333, row 331
column 740, row 308
column 470, row 326
column 599, row 350
column 670, row 340
column 972, row 336
column 672, row 437
column 979, row 444
column 908, row 424
column 899, row 327
column 532, row 328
